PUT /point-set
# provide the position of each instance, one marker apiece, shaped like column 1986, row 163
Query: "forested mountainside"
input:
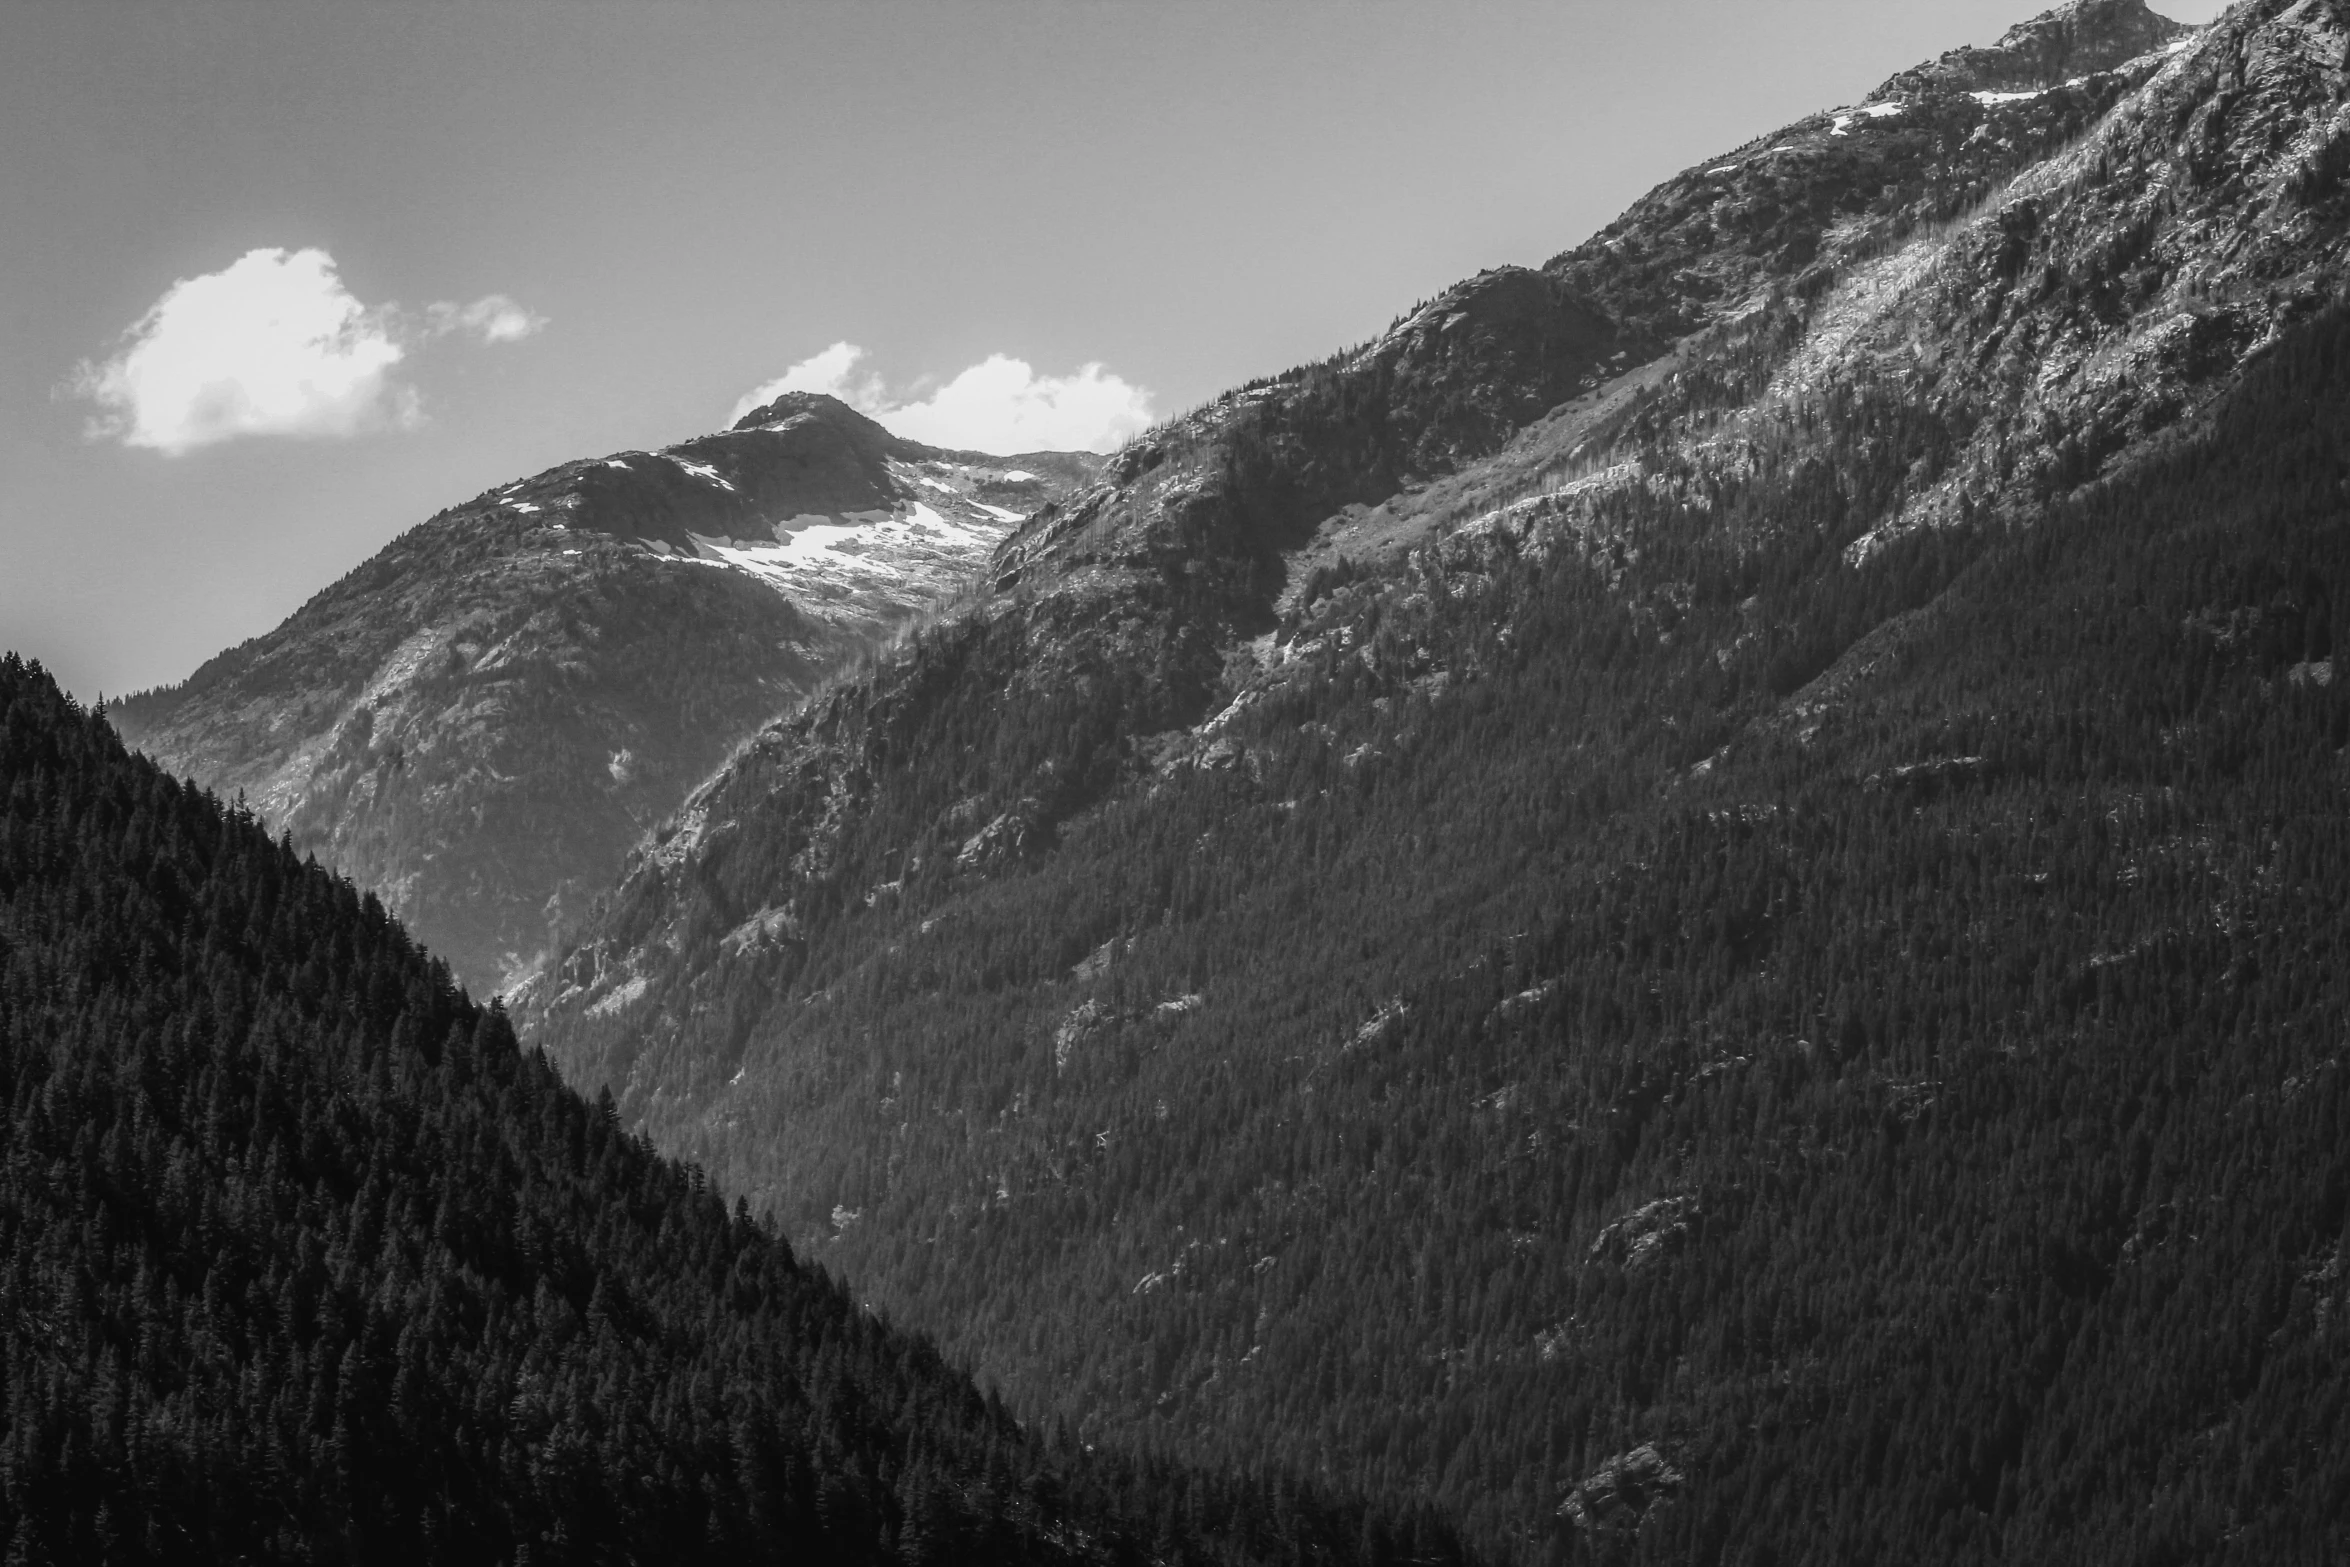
column 479, row 722
column 302, row 1259
column 1689, row 904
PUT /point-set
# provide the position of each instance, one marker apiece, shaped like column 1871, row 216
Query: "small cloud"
column 494, row 318
column 272, row 344
column 832, row 372
column 1000, row 405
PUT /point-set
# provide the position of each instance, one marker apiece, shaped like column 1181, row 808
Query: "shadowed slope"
column 302, row 1260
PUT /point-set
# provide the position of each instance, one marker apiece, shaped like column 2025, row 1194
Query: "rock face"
column 1617, row 1497
column 478, row 722
column 1515, row 682
column 1648, row 1234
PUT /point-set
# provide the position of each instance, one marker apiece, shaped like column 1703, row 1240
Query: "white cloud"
column 1000, row 405
column 494, row 318
column 272, row 344
column 832, row 371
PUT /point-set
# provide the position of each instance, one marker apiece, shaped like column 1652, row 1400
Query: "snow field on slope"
column 915, row 549
column 1871, row 111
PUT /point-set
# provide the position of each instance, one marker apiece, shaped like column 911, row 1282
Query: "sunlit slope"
column 1648, row 904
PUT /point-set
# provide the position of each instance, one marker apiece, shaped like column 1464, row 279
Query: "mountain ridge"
column 1185, row 528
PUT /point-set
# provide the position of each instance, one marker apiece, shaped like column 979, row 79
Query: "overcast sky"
column 278, row 281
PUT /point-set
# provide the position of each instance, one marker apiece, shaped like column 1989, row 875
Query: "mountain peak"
column 822, row 405
column 2079, row 38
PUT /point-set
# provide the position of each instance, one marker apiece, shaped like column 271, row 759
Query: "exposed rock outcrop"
column 1646, row 1235
column 1618, row 1496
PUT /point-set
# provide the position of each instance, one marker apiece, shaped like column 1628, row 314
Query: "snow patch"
column 862, row 545
column 702, row 470
column 1867, row 111
column 1020, row 476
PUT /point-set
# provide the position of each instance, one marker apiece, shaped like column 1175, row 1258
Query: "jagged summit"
column 817, row 405
column 2074, row 40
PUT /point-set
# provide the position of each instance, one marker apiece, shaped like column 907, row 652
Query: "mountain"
column 1684, row 904
column 480, row 721
column 303, row 1260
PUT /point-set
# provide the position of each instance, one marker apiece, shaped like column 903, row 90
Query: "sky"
column 278, row 281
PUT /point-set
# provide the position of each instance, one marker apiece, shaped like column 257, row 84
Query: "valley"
column 1687, row 909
